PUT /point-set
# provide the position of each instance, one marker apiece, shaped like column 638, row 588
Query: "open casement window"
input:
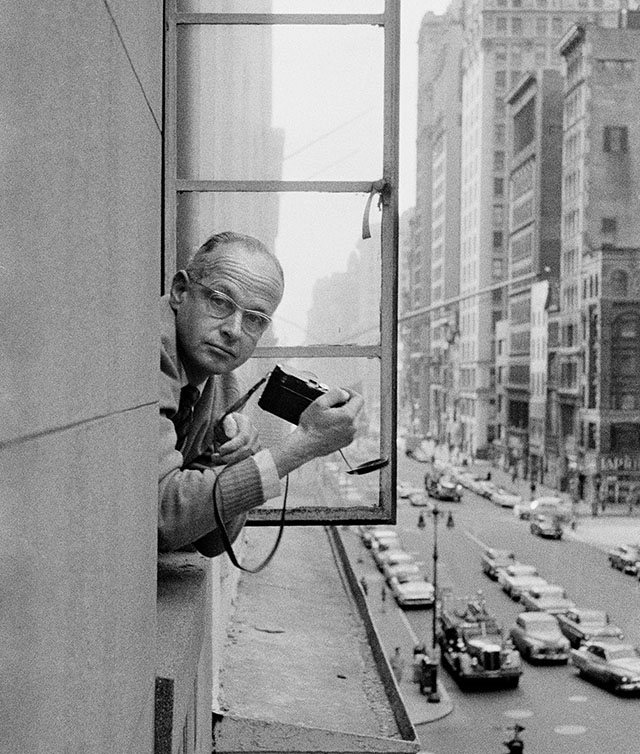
column 281, row 121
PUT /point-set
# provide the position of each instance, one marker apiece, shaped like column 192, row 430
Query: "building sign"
column 619, row 463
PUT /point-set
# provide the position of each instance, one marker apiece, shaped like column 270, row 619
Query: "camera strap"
column 224, row 536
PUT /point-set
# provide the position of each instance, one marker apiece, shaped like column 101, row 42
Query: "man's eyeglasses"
column 222, row 306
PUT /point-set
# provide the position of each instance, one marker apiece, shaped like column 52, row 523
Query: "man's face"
column 218, row 346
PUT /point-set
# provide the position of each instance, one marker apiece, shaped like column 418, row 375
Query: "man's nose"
column 232, row 325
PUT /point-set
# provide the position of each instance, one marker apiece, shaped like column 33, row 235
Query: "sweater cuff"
column 268, row 474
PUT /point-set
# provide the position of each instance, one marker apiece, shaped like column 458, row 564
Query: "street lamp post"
column 434, row 696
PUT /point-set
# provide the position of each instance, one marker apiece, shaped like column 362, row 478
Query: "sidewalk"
column 394, row 631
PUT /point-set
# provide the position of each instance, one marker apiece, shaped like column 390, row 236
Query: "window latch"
column 383, row 189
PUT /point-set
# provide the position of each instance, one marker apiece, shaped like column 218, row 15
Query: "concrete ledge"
column 302, row 669
column 181, row 641
column 235, row 735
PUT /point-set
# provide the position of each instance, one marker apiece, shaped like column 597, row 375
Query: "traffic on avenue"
column 561, row 710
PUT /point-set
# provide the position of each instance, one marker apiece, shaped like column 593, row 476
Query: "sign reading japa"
column 620, row 463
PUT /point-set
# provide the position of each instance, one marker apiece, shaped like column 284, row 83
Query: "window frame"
column 386, row 187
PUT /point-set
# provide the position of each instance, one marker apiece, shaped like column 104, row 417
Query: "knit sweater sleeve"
column 185, row 496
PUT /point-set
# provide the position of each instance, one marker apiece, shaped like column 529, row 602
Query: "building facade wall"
column 80, row 277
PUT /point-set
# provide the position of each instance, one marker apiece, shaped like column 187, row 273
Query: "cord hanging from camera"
column 224, row 536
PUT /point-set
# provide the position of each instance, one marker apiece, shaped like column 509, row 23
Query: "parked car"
column 493, row 560
column 616, row 666
column 625, row 558
column 505, row 498
column 549, row 504
column 411, row 591
column 385, row 539
column 548, row 527
column 442, row 486
column 580, row 625
column 390, row 555
column 538, row 638
column 518, row 577
column 548, row 598
column 398, row 561
column 369, row 533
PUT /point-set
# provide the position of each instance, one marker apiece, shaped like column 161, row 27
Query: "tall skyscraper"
column 502, row 39
column 599, row 355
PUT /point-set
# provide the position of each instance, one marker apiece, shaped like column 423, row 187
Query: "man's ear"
column 179, row 286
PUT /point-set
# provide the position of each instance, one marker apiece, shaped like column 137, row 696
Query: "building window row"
column 615, row 139
column 522, row 180
column 616, row 67
column 522, row 246
column 590, row 287
column 520, row 311
column 570, row 297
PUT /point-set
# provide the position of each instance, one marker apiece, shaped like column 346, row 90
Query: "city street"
column 561, row 712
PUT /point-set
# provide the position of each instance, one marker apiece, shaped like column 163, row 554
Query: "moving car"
column 411, row 591
column 486, row 488
column 442, row 486
column 537, row 637
column 505, row 498
column 405, row 490
column 493, row 560
column 625, row 558
column 474, row 649
column 420, row 500
column 548, row 527
column 548, row 504
column 516, row 578
column 549, row 598
column 611, row 664
column 580, row 625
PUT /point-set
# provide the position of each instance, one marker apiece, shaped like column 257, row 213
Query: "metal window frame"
column 385, row 352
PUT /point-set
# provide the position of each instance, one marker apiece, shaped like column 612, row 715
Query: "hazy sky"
column 332, row 131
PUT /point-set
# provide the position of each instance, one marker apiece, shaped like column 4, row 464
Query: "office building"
column 599, row 356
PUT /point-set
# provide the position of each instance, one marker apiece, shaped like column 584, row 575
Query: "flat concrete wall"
column 79, row 281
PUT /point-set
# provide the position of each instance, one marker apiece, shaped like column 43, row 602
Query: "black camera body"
column 287, row 395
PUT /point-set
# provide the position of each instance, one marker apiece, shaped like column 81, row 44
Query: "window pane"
column 280, row 6
column 324, row 482
column 270, row 103
column 332, row 276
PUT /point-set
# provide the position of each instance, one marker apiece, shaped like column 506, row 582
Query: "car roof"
column 589, row 615
column 536, row 616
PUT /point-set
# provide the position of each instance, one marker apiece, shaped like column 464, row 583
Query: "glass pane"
column 286, row 102
column 280, row 6
column 324, row 482
column 332, row 276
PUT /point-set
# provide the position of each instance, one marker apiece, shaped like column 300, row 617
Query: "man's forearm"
column 294, row 451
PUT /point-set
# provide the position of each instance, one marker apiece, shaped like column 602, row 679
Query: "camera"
column 287, row 395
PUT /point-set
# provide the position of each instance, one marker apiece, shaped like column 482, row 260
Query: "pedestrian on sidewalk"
column 397, row 664
column 383, row 597
column 450, row 523
column 421, row 522
column 514, row 474
column 532, row 487
column 364, row 585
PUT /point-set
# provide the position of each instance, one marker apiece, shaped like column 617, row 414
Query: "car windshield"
column 484, row 628
column 593, row 616
column 622, row 653
column 543, row 627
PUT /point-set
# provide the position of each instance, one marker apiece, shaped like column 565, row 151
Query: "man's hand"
column 328, row 424
column 243, row 440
